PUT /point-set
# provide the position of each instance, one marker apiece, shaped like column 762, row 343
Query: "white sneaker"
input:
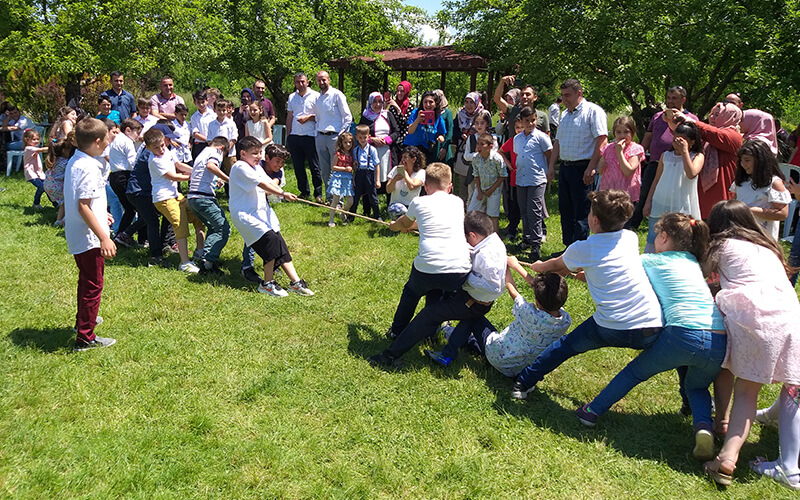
column 272, row 288
column 94, row 344
column 97, row 322
column 300, row 287
column 189, row 267
column 764, row 418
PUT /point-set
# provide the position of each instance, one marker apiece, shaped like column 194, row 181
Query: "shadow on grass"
column 50, row 340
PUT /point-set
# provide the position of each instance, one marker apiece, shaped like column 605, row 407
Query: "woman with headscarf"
column 422, row 133
column 442, row 152
column 401, row 108
column 463, row 130
column 759, row 125
column 722, row 142
column 241, row 114
column 383, row 132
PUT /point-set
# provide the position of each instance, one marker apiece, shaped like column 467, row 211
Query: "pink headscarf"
column 405, row 103
column 722, row 115
column 757, row 124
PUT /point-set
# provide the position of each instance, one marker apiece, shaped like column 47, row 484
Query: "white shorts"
column 490, row 206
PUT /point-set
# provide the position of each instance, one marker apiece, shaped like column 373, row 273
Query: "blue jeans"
column 39, row 185
column 573, row 202
column 700, row 350
column 114, row 206
column 586, row 337
column 431, row 286
column 217, row 227
column 248, row 258
column 794, row 253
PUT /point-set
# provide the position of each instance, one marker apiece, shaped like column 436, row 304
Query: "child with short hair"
column 183, row 151
column 86, row 227
column 490, row 170
column 121, row 158
column 366, row 177
column 32, row 166
column 257, row 223
column 166, row 197
column 627, row 313
column 341, row 182
column 104, row 110
column 198, row 124
column 510, row 200
column 224, row 126
column 143, row 107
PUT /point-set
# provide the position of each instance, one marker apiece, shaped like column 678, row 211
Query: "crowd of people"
column 712, row 296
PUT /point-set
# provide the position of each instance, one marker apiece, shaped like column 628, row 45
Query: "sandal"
column 713, row 469
column 776, row 472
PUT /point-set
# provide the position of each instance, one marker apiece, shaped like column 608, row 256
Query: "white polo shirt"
column 301, row 105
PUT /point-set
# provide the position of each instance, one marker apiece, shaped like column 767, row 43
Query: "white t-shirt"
column 163, row 188
column 199, row 122
column 623, row 296
column 401, row 193
column 226, row 129
column 442, row 245
column 203, row 181
column 146, row 122
column 121, row 154
column 83, row 180
column 250, row 212
column 763, row 198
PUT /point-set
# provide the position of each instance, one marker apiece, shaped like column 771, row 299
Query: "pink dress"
column 761, row 314
column 613, row 178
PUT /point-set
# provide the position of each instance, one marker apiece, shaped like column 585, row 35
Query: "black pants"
column 303, row 149
column 365, row 186
column 573, row 202
column 511, row 207
column 119, row 184
column 149, row 217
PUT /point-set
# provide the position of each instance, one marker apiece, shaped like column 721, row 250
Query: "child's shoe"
column 384, row 360
column 331, row 224
column 703, row 445
column 301, row 288
column 97, row 322
column 197, row 255
column 764, row 418
column 251, row 275
column 36, row 206
column 189, row 267
column 94, row 344
column 272, row 288
column 588, row 418
column 437, row 357
column 124, row 240
column 208, row 268
column 775, row 470
column 157, row 262
column 519, row 390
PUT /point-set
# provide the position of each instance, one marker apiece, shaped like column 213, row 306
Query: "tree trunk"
column 72, row 88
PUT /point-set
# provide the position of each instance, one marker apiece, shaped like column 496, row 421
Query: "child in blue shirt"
column 367, row 177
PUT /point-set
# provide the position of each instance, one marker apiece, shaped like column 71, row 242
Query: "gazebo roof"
column 440, row 58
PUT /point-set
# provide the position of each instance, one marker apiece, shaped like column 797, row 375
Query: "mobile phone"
column 427, row 117
column 387, row 96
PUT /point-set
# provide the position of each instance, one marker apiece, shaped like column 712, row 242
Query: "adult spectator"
column 15, row 123
column 582, row 134
column 760, row 125
column 554, row 112
column 269, row 110
column 736, row 99
column 241, row 114
column 443, row 152
column 333, row 117
column 658, row 140
column 422, row 133
column 527, row 98
column 162, row 105
column 300, row 130
column 401, row 108
column 382, row 135
column 122, row 101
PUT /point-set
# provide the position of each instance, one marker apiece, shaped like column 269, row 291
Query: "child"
column 784, row 414
column 257, row 223
column 484, row 284
column 258, row 125
column 121, row 159
column 203, row 202
column 491, row 173
column 166, row 197
column 224, row 126
column 694, row 332
column 759, row 185
column 183, row 151
column 442, row 263
column 627, row 311
column 105, row 111
column 114, row 205
column 761, row 310
column 144, row 116
column 198, row 124
column 620, row 160
column 341, row 182
column 535, row 326
column 510, row 196
column 533, row 149
column 57, row 158
column 32, row 157
column 366, row 178
column 405, row 181
column 481, row 125
column 86, row 227
column 674, row 187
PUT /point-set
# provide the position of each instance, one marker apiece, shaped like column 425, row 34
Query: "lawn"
column 216, row 391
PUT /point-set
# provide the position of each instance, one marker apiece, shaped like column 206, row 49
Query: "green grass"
column 215, row 391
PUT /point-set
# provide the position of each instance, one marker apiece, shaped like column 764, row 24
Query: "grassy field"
column 216, row 391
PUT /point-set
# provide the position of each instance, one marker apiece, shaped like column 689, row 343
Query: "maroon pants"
column 90, row 287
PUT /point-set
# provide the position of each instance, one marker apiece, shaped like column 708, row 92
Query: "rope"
column 326, row 207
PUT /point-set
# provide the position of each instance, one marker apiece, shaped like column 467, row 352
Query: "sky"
column 432, row 7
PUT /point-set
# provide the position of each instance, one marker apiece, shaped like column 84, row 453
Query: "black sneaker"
column 251, row 275
column 390, row 334
column 523, row 246
column 213, row 269
column 534, row 256
column 586, row 417
column 158, row 262
column 384, row 360
column 519, row 390
column 94, row 344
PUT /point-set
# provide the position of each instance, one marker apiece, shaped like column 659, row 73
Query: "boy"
column 166, row 197
column 86, row 227
column 180, row 144
column 273, row 167
column 535, row 326
column 198, row 125
column 367, row 178
column 144, row 117
column 224, row 126
column 257, row 223
column 483, row 286
column 510, row 204
column 203, row 202
column 442, row 263
column 533, row 149
column 627, row 311
column 490, row 173
column 121, row 158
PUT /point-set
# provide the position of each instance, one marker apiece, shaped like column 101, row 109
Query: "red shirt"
column 508, row 147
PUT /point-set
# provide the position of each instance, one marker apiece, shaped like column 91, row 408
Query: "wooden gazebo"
column 442, row 59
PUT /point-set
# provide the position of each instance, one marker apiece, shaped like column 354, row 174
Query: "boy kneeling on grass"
column 256, row 221
column 536, row 325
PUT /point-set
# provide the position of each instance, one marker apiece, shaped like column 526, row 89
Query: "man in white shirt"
column 301, row 129
column 15, row 123
column 333, row 117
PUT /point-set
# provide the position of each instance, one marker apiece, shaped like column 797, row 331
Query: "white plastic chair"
column 788, row 225
column 12, row 155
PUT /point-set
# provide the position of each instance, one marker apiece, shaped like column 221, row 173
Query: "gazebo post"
column 363, row 90
column 490, row 90
column 473, row 80
column 403, row 74
column 444, row 80
column 341, row 79
column 385, row 81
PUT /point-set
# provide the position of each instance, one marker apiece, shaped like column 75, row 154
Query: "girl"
column 481, row 124
column 674, row 188
column 425, row 135
column 341, row 182
column 258, row 125
column 405, row 181
column 65, row 122
column 57, row 158
column 785, row 414
column 619, row 165
column 693, row 335
column 33, row 164
column 759, row 185
column 761, row 311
